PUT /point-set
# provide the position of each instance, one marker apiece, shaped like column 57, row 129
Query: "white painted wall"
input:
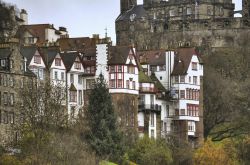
column 102, row 61
column 50, row 35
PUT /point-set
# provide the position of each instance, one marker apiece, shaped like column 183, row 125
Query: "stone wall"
column 126, row 106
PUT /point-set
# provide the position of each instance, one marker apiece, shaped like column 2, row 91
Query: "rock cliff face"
column 170, row 24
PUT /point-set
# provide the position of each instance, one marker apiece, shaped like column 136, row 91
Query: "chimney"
column 24, row 16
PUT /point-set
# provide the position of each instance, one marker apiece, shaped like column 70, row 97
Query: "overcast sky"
column 81, row 17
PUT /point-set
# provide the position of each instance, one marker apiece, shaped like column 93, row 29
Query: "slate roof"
column 182, row 60
column 28, row 52
column 157, row 83
column 152, row 57
column 69, row 59
column 37, row 30
column 4, row 53
column 118, row 54
column 143, row 78
column 49, row 55
column 78, row 44
column 138, row 10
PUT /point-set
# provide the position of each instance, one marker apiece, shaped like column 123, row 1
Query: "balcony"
column 147, row 90
column 149, row 107
column 186, row 117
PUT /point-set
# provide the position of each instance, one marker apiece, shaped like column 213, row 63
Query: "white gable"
column 131, row 58
column 53, row 65
column 37, row 60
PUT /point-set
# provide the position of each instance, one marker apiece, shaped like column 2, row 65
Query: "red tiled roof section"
column 38, row 30
column 182, row 60
column 152, row 57
column 82, row 44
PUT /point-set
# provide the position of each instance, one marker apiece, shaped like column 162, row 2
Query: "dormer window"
column 58, row 62
column 77, row 65
column 37, row 59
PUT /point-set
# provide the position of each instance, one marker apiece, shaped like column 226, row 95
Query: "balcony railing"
column 153, row 107
column 147, row 89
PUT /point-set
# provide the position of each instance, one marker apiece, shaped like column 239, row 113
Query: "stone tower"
column 245, row 8
column 127, row 4
column 167, row 24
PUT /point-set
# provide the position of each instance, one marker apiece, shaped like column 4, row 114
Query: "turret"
column 127, row 4
column 24, row 16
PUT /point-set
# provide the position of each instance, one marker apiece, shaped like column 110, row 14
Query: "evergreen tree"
column 103, row 133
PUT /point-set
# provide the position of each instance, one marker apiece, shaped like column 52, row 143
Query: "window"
column 182, row 111
column 37, row 59
column 3, row 63
column 152, row 133
column 153, row 68
column 5, row 117
column 0, row 101
column 62, row 76
column 127, row 84
column 11, row 117
column 112, row 69
column 5, row 98
column 119, row 68
column 171, row 13
column 195, row 80
column 176, row 79
column 133, row 85
column 189, row 10
column 87, row 70
column 12, row 99
column 40, row 74
column 180, row 10
column 152, row 119
column 11, row 64
column 31, row 40
column 11, row 81
column 80, row 97
column 142, row 99
column 193, row 109
column 119, row 83
column 209, row 10
column 58, row 62
column 77, row 65
column 167, row 111
column 79, row 79
column 56, row 75
column 131, row 69
column 191, row 126
column 182, row 94
column 112, row 83
column 190, row 79
column 90, row 83
column 92, row 69
column 22, row 82
column 182, row 79
column 72, row 78
column 72, row 96
column 194, row 65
